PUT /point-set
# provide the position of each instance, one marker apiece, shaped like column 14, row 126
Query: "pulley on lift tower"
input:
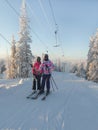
column 56, row 45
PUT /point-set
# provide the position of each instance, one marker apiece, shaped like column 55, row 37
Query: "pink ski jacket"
column 46, row 67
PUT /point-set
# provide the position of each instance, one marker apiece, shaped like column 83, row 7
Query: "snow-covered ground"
column 74, row 106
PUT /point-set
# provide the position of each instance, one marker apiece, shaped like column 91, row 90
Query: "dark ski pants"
column 46, row 79
column 36, row 81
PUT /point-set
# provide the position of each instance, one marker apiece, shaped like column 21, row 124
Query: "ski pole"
column 54, row 82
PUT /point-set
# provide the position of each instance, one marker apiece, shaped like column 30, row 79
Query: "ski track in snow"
column 74, row 96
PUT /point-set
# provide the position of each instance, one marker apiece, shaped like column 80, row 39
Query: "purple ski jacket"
column 46, row 67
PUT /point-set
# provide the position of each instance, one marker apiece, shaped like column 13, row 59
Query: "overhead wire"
column 61, row 45
column 39, row 39
column 43, row 10
column 31, row 29
column 56, row 25
column 33, row 13
column 12, row 7
column 44, row 13
column 5, row 38
column 52, row 12
column 6, row 46
column 38, row 23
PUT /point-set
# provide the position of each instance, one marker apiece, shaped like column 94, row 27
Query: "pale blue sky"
column 77, row 20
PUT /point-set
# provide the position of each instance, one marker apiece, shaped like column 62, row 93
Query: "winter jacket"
column 35, row 68
column 46, row 67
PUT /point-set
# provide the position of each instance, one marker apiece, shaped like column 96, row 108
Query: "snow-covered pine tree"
column 13, row 59
column 10, row 66
column 74, row 68
column 81, row 71
column 23, row 60
column 92, row 62
column 23, row 51
column 1, row 64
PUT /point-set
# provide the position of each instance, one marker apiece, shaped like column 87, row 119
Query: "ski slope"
column 74, row 106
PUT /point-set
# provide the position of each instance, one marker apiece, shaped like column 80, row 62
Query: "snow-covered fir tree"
column 81, row 71
column 13, row 59
column 8, row 67
column 74, row 68
column 23, row 50
column 11, row 67
column 2, row 65
column 92, row 62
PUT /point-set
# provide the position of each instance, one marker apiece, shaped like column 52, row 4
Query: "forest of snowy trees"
column 79, row 69
column 89, row 69
column 21, row 56
column 92, row 61
column 18, row 63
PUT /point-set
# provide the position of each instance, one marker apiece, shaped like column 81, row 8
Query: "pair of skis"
column 36, row 95
column 30, row 95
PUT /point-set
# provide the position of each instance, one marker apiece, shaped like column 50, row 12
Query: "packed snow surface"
column 73, row 106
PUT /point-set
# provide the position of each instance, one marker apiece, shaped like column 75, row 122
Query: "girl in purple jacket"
column 46, row 68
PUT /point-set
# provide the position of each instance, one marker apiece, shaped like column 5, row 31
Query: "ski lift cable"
column 52, row 12
column 5, row 38
column 43, row 10
column 6, row 46
column 34, row 31
column 42, row 42
column 56, row 26
column 12, row 7
column 33, row 13
column 45, row 15
column 39, row 38
column 38, row 22
column 56, row 31
column 61, row 44
column 19, row 15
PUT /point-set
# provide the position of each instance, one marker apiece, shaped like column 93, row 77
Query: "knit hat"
column 38, row 59
column 46, row 57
